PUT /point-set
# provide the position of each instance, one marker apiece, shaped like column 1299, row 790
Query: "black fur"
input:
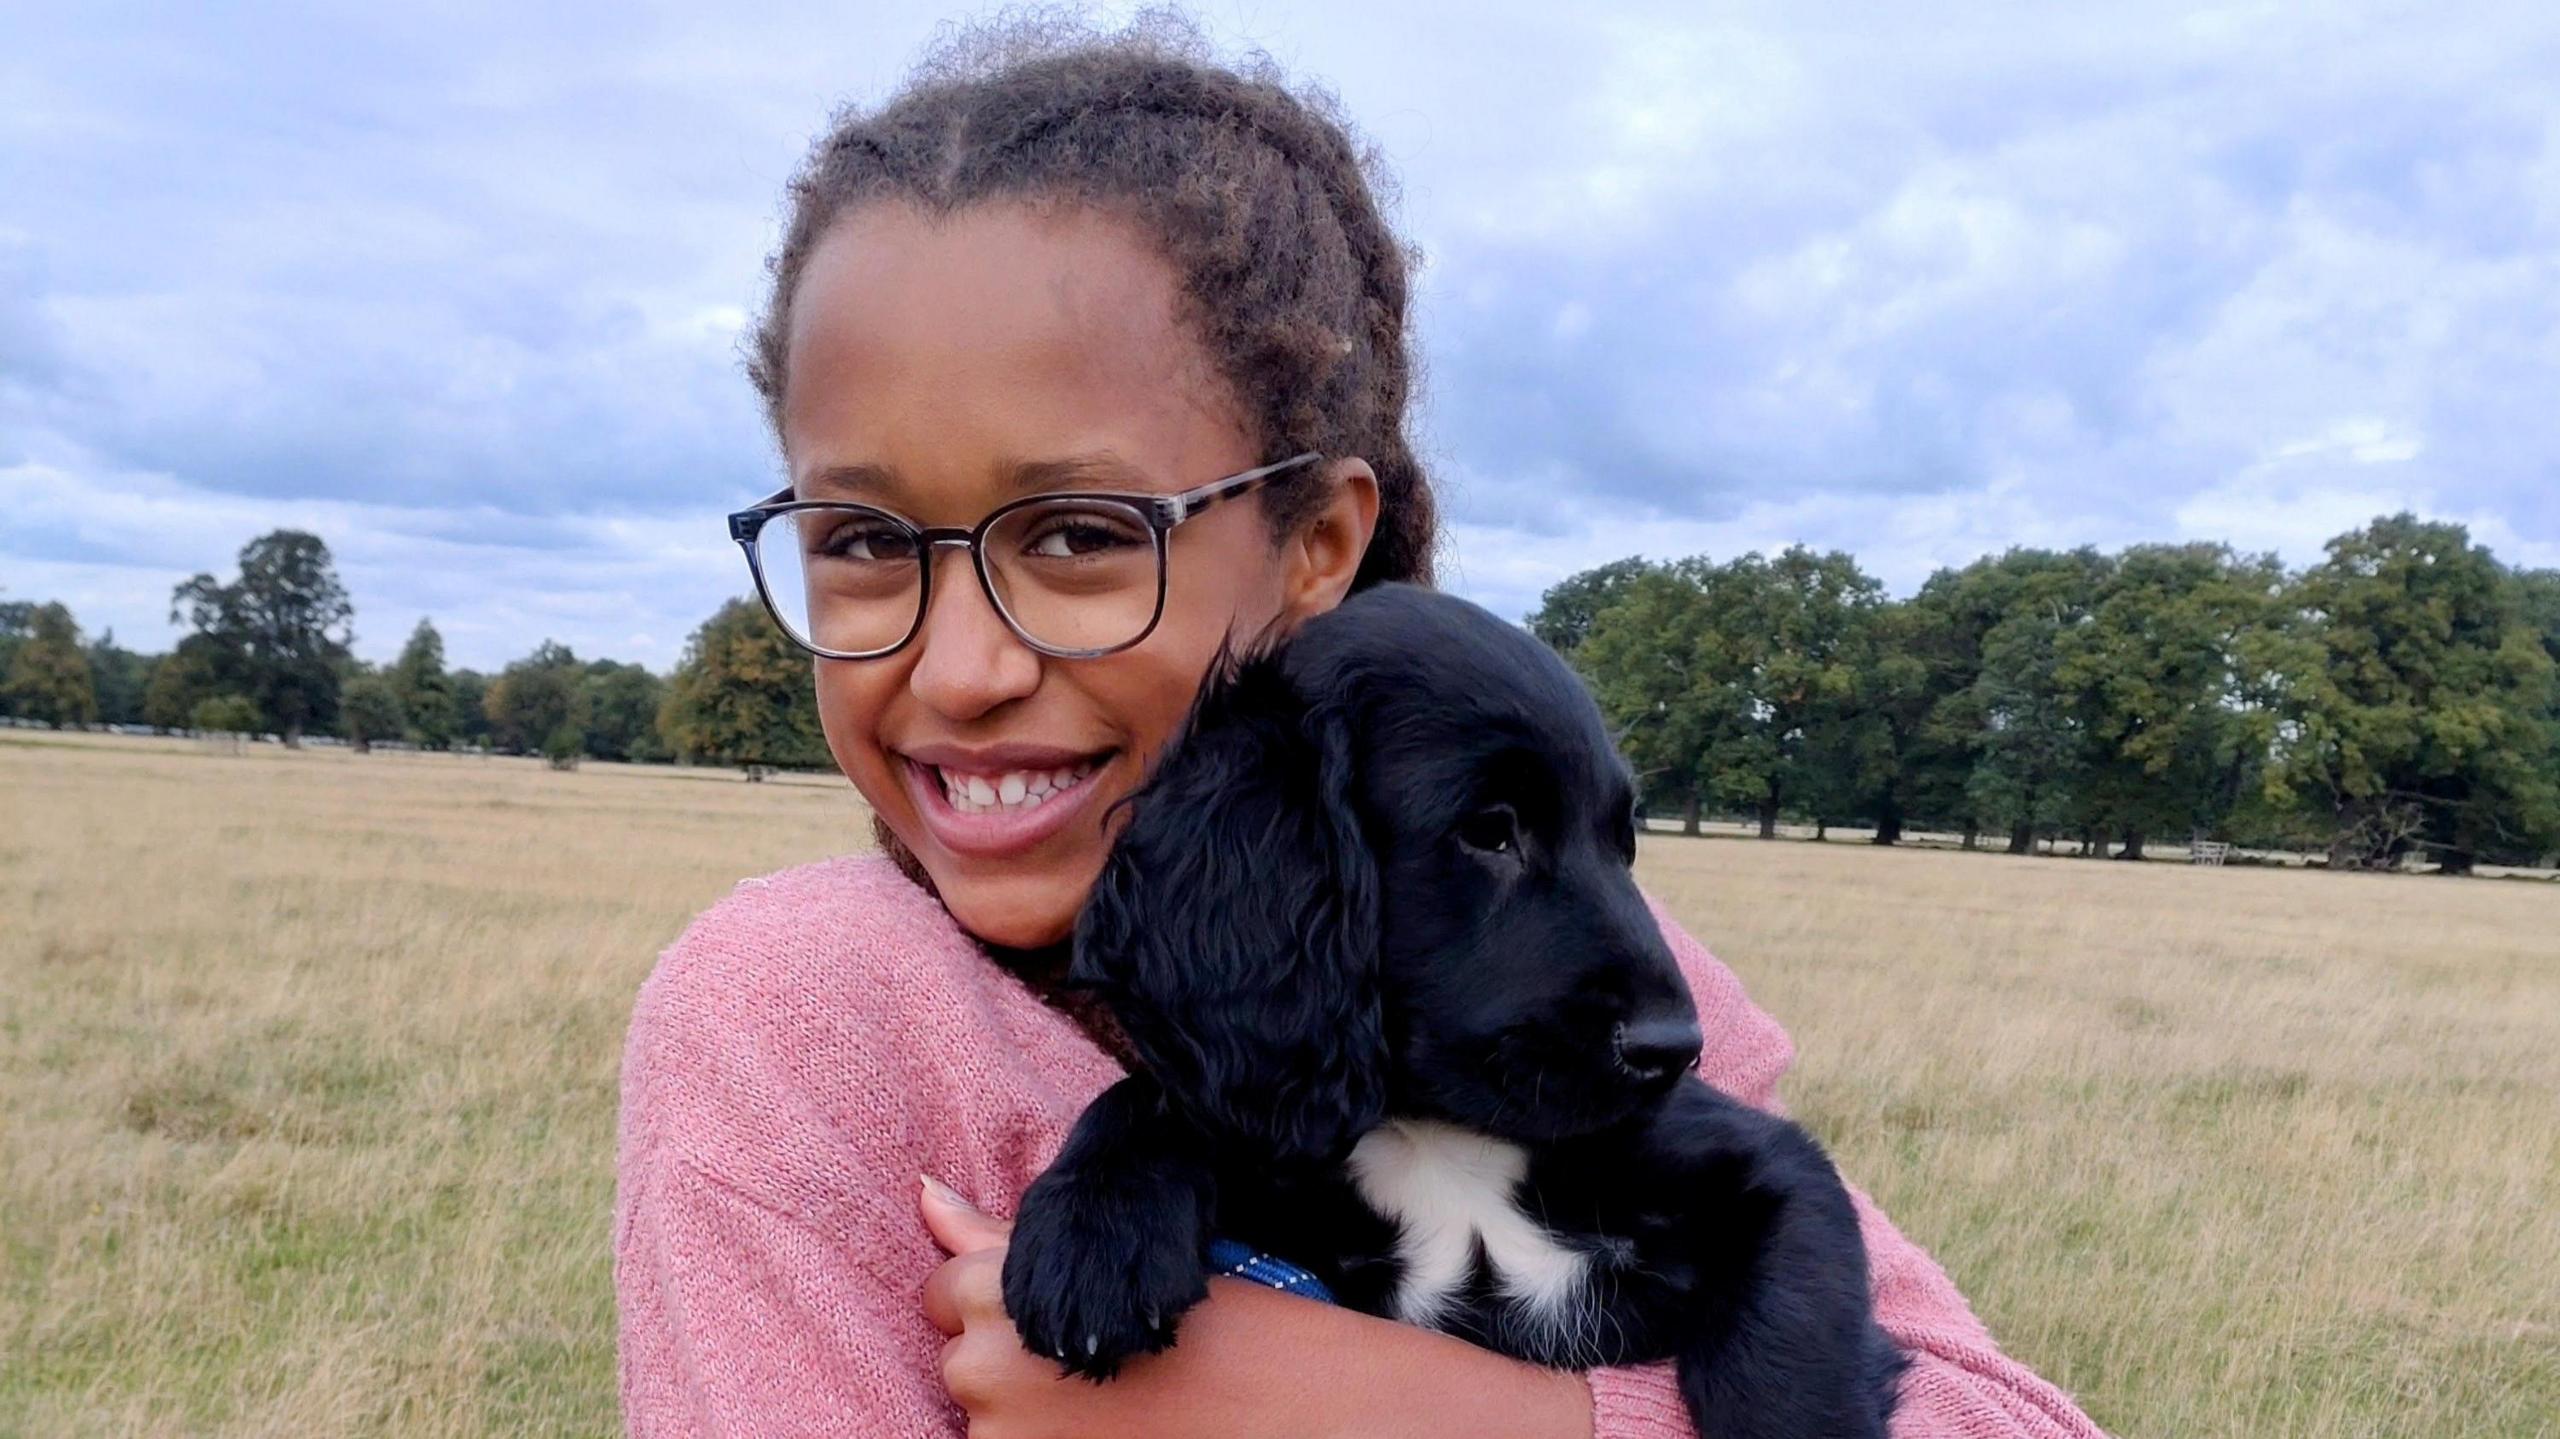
column 1385, row 875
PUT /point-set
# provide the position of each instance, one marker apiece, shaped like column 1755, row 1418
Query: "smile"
column 1012, row 790
column 1000, row 801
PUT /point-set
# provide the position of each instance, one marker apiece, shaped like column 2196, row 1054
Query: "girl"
column 1127, row 326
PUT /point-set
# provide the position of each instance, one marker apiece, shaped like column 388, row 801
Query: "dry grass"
column 307, row 1073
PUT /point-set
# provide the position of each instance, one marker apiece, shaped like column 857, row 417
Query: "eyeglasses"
column 1074, row 575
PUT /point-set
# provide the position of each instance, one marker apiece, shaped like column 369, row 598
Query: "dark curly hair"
column 1260, row 195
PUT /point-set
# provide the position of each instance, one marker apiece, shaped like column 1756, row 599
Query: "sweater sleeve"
column 766, row 1279
column 740, row 1319
column 1959, row 1385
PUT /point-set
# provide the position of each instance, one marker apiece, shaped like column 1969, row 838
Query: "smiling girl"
column 1087, row 357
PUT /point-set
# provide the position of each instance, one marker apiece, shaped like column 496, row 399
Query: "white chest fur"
column 1447, row 1189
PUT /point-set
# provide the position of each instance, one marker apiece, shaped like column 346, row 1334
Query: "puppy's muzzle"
column 1655, row 1051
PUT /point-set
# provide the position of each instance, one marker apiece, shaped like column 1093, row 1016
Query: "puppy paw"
column 1100, row 1270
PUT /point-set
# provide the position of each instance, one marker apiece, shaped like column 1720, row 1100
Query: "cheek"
column 851, row 700
column 1223, row 575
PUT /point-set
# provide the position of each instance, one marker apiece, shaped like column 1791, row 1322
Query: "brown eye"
column 1491, row 830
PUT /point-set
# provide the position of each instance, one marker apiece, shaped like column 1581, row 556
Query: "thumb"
column 956, row 1224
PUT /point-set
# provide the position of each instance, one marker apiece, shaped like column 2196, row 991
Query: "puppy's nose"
column 1654, row 1049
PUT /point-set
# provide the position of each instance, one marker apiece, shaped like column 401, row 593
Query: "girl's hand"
column 1249, row 1361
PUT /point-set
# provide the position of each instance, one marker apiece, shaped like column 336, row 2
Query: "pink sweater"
column 823, row 1035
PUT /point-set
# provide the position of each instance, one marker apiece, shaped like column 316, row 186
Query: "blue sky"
column 460, row 288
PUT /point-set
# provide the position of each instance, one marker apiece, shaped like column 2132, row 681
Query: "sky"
column 461, row 289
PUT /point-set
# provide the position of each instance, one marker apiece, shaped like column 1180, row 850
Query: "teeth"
column 1019, row 789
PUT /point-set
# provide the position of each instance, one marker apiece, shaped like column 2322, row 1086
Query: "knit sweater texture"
column 823, row 1035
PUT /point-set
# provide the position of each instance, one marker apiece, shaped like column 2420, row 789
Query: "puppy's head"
column 1385, row 871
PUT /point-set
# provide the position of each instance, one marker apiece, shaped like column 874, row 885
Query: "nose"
column 967, row 660
column 1656, row 1049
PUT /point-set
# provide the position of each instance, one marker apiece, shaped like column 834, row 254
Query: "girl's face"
column 932, row 360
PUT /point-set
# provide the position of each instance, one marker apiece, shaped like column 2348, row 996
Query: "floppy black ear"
column 1234, row 928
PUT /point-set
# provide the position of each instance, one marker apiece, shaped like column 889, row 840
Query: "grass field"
column 307, row 1080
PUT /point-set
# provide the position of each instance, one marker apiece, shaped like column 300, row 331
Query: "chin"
column 1014, row 911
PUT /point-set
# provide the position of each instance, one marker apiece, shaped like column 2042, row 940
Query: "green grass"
column 308, row 1061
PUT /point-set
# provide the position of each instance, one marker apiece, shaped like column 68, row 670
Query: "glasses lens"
column 1076, row 574
column 849, row 581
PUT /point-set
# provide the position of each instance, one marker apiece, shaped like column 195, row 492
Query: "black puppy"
column 1406, row 1022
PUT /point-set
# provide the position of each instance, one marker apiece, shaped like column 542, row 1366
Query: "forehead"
column 1456, row 698
column 1514, row 742
column 937, row 347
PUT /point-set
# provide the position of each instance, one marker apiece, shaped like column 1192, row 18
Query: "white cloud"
column 117, row 542
column 465, row 294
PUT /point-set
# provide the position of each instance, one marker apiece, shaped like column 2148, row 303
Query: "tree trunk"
column 1821, row 829
column 2022, row 838
column 2455, row 861
column 1973, row 834
column 2132, row 845
column 1689, row 814
column 1769, row 816
column 1888, row 828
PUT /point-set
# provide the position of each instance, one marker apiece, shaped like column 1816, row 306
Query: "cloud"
column 463, row 290
column 112, row 544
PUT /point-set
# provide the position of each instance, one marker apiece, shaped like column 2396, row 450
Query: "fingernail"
column 944, row 1192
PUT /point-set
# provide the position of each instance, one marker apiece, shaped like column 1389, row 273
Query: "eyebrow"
column 1100, row 470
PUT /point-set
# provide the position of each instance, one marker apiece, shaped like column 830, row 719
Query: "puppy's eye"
column 1491, row 830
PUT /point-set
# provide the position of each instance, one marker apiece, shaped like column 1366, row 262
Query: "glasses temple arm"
column 1177, row 508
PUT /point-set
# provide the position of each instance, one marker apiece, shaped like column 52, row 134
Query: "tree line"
column 2398, row 700
column 268, row 652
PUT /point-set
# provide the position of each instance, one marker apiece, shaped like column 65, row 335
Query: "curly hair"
column 1260, row 195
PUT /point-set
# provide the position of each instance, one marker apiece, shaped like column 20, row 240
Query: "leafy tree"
column 2029, row 749
column 1880, row 754
column 743, row 694
column 564, row 747
column 1992, row 749
column 2158, row 681
column 48, row 678
column 425, row 691
column 181, row 680
column 1925, row 658
column 278, row 634
column 536, row 697
column 2539, row 592
column 369, row 709
column 470, row 707
column 225, row 714
column 1644, row 656
column 1737, row 683
column 2425, row 717
column 1784, row 657
column 622, row 703
column 120, row 676
column 17, row 621
column 1567, row 609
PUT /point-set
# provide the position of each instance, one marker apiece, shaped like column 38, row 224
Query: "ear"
column 1234, row 928
column 1323, row 557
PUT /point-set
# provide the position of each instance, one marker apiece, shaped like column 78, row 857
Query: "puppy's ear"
column 1234, row 929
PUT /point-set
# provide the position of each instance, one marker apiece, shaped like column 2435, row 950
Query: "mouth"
column 1012, row 791
column 1001, row 803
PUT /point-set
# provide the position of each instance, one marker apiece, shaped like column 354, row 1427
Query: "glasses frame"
column 1161, row 513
